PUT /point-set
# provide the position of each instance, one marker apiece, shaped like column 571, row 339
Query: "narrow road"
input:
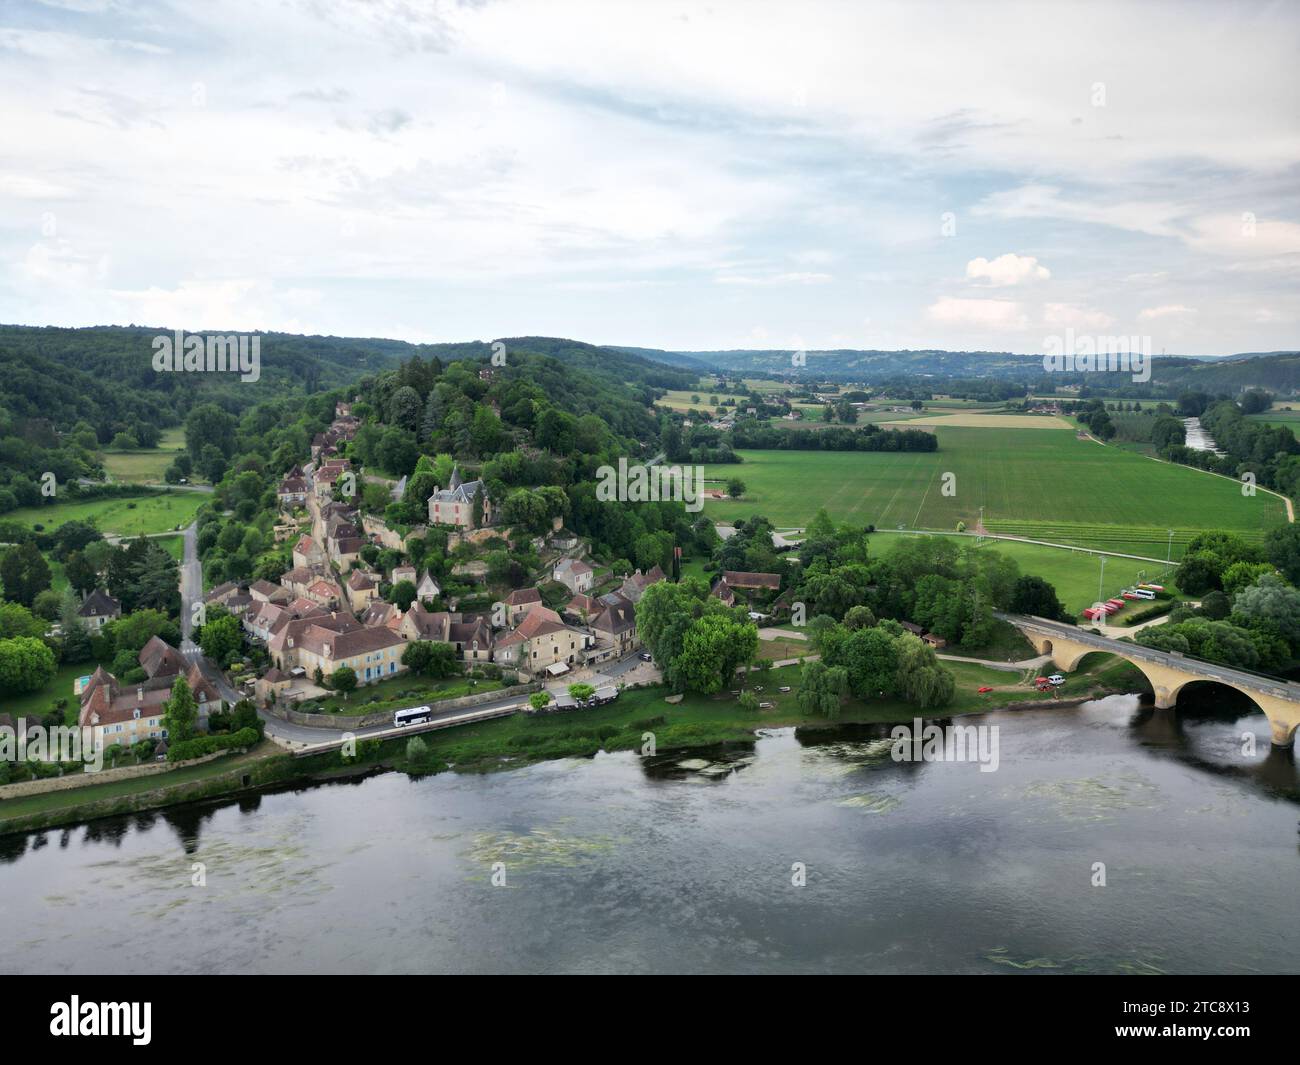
column 299, row 736
column 191, row 582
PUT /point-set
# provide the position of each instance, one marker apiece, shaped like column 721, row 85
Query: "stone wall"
column 375, row 526
column 105, row 776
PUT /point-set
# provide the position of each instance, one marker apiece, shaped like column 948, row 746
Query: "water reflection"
column 683, row 861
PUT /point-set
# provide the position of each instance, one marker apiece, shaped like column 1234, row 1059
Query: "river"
column 1197, row 437
column 619, row 864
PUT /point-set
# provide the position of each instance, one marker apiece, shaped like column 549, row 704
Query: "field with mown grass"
column 1047, row 482
column 146, row 465
column 1073, row 573
column 124, row 516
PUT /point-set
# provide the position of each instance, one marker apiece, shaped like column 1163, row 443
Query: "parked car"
column 984, row 689
column 646, row 656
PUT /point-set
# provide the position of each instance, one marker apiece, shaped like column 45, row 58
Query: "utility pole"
column 1101, row 581
column 1169, row 550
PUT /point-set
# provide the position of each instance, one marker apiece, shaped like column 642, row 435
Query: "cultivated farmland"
column 1042, row 484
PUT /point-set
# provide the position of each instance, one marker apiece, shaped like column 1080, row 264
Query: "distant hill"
column 619, row 363
column 1278, row 373
column 1271, row 370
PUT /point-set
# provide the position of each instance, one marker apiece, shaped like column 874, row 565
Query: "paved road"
column 299, row 736
column 304, row 735
column 1010, row 667
column 191, row 582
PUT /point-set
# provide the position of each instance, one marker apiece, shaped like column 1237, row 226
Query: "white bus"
column 1144, row 593
column 413, row 716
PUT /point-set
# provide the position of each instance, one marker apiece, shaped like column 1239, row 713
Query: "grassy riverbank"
column 702, row 720
column 695, row 721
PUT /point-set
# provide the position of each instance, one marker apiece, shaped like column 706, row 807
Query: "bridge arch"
column 1166, row 674
column 1283, row 731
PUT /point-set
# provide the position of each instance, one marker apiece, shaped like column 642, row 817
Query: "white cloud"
column 506, row 160
column 1008, row 269
column 1066, row 315
column 802, row 277
column 1246, row 235
column 980, row 314
column 1168, row 310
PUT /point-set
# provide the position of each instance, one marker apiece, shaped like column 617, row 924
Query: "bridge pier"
column 1167, row 672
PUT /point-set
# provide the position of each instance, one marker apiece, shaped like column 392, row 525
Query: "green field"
column 1073, row 573
column 1045, row 482
column 131, row 516
column 1278, row 419
column 679, row 399
column 148, row 465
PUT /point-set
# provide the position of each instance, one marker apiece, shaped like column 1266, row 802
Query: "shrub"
column 1158, row 610
column 204, row 745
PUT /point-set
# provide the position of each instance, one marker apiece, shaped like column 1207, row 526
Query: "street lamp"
column 1169, row 550
column 1101, row 580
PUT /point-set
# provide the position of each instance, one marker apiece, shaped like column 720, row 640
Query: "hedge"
column 1159, row 610
column 201, row 745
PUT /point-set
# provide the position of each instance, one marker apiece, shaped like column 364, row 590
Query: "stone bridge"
column 1168, row 671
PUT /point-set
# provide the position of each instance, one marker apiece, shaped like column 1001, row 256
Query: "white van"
column 1144, row 593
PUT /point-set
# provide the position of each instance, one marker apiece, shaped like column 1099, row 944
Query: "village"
column 332, row 616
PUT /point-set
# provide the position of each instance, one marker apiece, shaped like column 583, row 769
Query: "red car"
column 984, row 689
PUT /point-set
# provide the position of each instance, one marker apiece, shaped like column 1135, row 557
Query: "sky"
column 691, row 176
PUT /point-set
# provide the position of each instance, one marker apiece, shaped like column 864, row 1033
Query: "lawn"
column 173, row 545
column 780, row 650
column 37, row 704
column 1073, row 573
column 1040, row 479
column 129, row 516
column 402, row 691
column 146, row 465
